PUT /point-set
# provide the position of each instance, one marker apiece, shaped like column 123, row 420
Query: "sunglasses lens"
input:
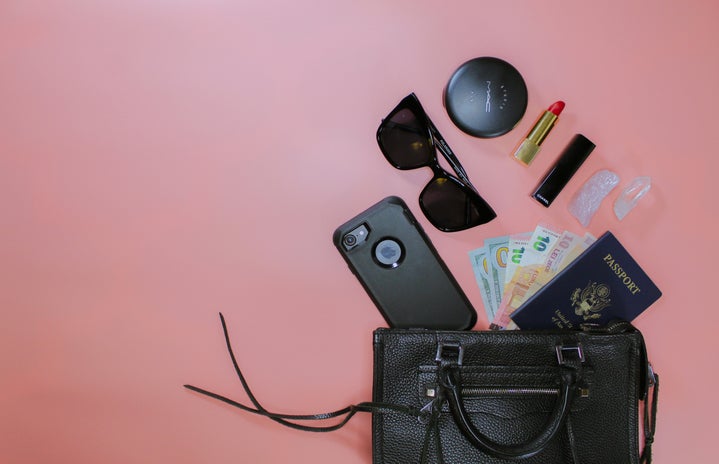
column 451, row 206
column 405, row 141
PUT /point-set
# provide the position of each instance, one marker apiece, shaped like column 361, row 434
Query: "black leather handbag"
column 534, row 397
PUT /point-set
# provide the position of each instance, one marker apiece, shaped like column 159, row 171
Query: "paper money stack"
column 511, row 268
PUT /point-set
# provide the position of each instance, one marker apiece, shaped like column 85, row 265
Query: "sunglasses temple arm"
column 449, row 155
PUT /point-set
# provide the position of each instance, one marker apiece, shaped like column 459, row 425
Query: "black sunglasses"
column 408, row 140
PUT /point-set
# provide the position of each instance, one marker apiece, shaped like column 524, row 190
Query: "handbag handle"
column 452, row 386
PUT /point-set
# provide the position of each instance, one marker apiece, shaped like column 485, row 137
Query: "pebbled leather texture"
column 507, row 380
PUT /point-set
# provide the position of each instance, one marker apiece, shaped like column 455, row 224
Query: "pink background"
column 161, row 161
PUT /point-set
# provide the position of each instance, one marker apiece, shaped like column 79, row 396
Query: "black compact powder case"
column 486, row 97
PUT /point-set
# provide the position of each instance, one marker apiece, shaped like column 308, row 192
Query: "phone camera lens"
column 350, row 240
column 355, row 237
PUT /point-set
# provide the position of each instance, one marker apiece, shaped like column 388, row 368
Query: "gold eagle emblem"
column 589, row 302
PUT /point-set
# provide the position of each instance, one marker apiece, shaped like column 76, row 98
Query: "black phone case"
column 417, row 291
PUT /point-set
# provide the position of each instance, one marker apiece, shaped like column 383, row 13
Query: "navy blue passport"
column 602, row 284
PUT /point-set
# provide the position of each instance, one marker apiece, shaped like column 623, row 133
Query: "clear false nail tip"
column 585, row 203
column 628, row 199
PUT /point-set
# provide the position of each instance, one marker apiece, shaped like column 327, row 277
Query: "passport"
column 602, row 284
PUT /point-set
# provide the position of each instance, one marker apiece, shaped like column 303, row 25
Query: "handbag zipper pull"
column 432, row 408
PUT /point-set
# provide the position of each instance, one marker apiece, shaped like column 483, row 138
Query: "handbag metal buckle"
column 652, row 376
column 561, row 349
column 446, row 351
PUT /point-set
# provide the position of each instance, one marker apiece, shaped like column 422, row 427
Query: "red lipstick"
column 556, row 108
column 529, row 147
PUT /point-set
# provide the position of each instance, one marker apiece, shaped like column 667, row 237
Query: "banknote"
column 497, row 249
column 567, row 249
column 556, row 260
column 531, row 262
column 518, row 244
column 480, row 266
column 511, row 268
column 578, row 249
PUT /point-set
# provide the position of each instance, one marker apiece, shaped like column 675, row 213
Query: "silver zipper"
column 431, row 392
column 514, row 391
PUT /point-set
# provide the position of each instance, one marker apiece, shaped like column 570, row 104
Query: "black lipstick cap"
column 564, row 168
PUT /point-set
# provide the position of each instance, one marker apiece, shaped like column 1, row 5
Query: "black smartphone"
column 401, row 271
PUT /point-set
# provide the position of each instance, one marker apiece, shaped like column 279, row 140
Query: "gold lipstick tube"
column 528, row 149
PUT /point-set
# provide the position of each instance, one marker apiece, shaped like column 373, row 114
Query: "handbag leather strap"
column 429, row 414
column 291, row 420
column 650, row 417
